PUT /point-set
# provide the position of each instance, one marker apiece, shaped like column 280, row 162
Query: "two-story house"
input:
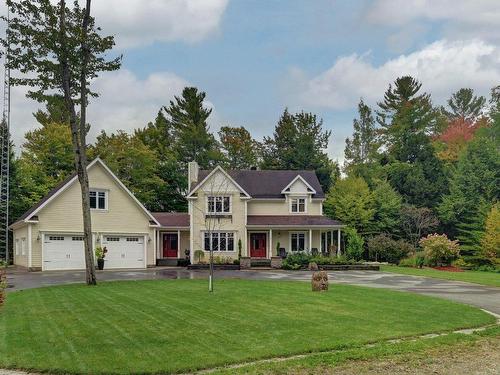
column 252, row 213
column 257, row 211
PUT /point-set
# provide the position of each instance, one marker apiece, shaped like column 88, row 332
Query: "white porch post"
column 310, row 239
column 270, row 243
column 331, row 242
column 339, row 252
column 178, row 243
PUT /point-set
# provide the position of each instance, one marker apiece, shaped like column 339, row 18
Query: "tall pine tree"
column 191, row 134
column 361, row 151
column 406, row 119
column 464, row 105
column 299, row 142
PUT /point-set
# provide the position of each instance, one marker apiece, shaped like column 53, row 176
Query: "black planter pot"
column 100, row 264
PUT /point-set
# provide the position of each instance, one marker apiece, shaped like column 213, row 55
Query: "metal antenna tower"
column 5, row 160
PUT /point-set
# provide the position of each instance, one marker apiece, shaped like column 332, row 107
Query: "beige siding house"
column 247, row 213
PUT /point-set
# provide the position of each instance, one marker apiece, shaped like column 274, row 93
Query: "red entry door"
column 258, row 245
column 170, row 245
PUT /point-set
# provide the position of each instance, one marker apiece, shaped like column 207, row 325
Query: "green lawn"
column 176, row 325
column 477, row 277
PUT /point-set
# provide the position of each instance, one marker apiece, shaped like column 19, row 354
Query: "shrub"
column 439, row 250
column 354, row 247
column 383, row 248
column 490, row 243
column 415, row 260
column 199, row 254
column 296, row 260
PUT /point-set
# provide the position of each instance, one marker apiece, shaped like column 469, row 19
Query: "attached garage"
column 63, row 252
column 124, row 251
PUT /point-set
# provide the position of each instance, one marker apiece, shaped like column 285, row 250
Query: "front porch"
column 265, row 243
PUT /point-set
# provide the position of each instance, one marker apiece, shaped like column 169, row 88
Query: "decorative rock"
column 276, row 262
column 312, row 266
column 245, row 263
column 319, row 281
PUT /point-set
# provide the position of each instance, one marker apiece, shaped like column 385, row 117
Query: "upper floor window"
column 297, row 205
column 98, row 199
column 218, row 204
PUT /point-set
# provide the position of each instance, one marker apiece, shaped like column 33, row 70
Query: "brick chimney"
column 193, row 169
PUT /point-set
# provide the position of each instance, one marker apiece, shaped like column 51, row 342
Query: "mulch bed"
column 448, row 268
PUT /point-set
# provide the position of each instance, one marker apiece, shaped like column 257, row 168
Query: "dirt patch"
column 479, row 358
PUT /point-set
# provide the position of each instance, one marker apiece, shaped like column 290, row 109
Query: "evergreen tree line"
column 411, row 168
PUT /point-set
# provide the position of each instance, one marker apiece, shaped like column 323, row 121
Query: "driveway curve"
column 485, row 297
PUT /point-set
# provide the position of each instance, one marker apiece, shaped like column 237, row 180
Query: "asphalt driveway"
column 484, row 297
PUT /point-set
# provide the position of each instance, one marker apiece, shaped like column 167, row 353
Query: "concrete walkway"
column 484, row 297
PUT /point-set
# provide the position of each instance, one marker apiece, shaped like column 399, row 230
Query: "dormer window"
column 297, row 205
column 98, row 199
column 218, row 205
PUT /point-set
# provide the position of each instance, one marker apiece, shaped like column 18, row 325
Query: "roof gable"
column 69, row 181
column 296, row 181
column 218, row 185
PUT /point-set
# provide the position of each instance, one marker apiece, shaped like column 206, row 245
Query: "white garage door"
column 63, row 252
column 124, row 251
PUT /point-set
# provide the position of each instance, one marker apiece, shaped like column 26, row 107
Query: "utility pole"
column 5, row 161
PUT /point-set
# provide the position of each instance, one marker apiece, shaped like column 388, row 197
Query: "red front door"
column 258, row 245
column 170, row 245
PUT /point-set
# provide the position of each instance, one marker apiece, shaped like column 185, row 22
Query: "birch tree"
column 56, row 48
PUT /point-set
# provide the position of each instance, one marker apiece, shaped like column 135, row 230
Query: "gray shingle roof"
column 172, row 219
column 269, row 183
column 292, row 220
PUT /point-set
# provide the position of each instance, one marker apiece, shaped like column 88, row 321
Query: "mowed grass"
column 477, row 277
column 176, row 325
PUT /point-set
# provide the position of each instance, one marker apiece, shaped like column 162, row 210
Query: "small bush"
column 354, row 248
column 439, row 250
column 296, row 260
column 199, row 255
column 383, row 248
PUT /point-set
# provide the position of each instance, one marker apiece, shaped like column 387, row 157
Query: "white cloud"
column 136, row 23
column 140, row 22
column 459, row 19
column 442, row 67
column 125, row 102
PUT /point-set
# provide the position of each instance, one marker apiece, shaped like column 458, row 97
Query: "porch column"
column 179, row 244
column 331, row 241
column 270, row 243
column 310, row 239
column 339, row 253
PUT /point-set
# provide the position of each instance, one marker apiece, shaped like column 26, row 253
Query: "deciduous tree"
column 60, row 49
column 351, row 202
column 240, row 150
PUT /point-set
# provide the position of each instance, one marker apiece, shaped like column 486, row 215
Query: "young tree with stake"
column 58, row 49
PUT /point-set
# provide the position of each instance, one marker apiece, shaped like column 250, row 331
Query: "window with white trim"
column 113, row 239
column 298, row 241
column 98, row 199
column 23, row 246
column 297, row 205
column 219, row 241
column 219, row 204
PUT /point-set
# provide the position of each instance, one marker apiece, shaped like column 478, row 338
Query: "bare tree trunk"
column 78, row 133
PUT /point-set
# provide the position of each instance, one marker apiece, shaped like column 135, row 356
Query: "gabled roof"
column 211, row 173
column 63, row 185
column 268, row 184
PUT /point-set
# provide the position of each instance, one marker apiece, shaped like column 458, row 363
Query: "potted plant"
column 100, row 253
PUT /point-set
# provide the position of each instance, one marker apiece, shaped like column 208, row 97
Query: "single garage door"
column 63, row 252
column 124, row 251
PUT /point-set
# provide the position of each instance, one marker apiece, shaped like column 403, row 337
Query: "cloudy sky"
column 256, row 57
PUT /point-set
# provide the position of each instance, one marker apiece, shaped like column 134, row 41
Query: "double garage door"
column 65, row 252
